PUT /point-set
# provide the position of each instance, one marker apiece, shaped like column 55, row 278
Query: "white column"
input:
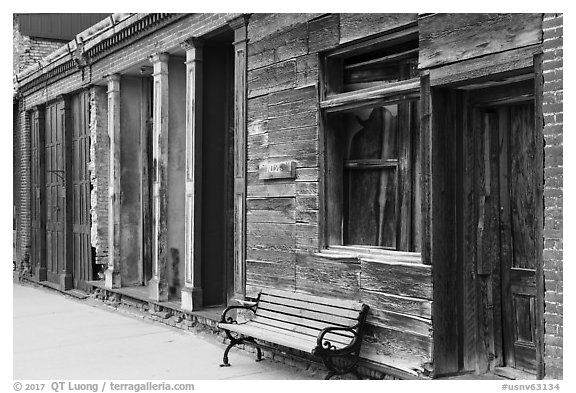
column 112, row 274
column 192, row 291
column 158, row 285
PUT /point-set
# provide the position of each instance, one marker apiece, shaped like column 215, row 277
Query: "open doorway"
column 217, row 169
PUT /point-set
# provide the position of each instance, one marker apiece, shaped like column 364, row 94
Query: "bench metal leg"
column 258, row 354
column 329, row 375
column 233, row 342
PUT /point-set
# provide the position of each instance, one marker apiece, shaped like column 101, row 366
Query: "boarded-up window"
column 372, row 148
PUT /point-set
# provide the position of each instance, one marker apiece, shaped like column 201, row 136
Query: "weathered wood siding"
column 448, row 38
column 282, row 214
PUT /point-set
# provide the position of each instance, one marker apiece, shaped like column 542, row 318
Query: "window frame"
column 333, row 101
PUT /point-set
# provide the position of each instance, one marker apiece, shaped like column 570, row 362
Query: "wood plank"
column 307, row 174
column 322, row 308
column 426, row 168
column 270, row 336
column 282, row 45
column 268, row 279
column 307, row 202
column 305, row 314
column 324, row 33
column 307, row 70
column 396, row 347
column 264, row 24
column 298, row 134
column 270, row 229
column 396, row 279
column 271, row 242
column 294, row 149
column 257, row 115
column 399, row 304
column 295, row 320
column 355, row 26
column 388, row 92
column 443, row 236
column 276, row 209
column 392, row 256
column 307, row 216
column 398, row 321
column 292, row 101
column 272, row 190
column 306, row 188
column 330, row 301
column 522, row 185
column 448, row 38
column 469, row 254
column 326, row 277
column 478, row 69
column 270, row 216
column 272, row 78
column 270, row 254
column 300, row 331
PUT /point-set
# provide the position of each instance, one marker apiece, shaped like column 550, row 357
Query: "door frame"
column 480, row 343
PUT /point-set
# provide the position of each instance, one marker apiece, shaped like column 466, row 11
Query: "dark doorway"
column 217, row 165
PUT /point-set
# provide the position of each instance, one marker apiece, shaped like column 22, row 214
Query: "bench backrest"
column 306, row 315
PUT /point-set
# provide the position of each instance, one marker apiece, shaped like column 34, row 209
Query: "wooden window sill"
column 372, row 254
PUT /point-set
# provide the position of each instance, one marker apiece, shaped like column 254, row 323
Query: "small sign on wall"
column 277, row 170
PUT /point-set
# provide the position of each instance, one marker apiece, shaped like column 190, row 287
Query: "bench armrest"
column 247, row 306
column 324, row 346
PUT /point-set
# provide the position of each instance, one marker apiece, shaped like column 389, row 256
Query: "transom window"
column 372, row 130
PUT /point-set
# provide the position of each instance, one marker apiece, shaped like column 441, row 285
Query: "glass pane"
column 370, row 216
column 372, row 133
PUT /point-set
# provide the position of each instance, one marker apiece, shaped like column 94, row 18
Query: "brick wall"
column 99, row 142
column 29, row 50
column 553, row 194
column 22, row 179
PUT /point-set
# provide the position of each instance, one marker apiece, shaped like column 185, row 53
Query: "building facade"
column 410, row 161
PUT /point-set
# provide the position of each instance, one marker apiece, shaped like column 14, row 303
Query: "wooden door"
column 518, row 190
column 55, row 191
column 81, row 250
column 38, row 249
column 508, row 233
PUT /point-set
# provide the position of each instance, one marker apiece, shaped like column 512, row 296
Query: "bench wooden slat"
column 292, row 319
column 272, row 337
column 301, row 331
column 333, row 310
column 307, row 330
column 306, row 314
column 342, row 303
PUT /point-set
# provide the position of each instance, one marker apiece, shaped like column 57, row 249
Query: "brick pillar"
column 112, row 275
column 22, row 180
column 553, row 194
column 192, row 291
column 99, row 162
column 158, row 285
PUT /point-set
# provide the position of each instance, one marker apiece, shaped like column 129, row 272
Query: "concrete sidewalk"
column 60, row 337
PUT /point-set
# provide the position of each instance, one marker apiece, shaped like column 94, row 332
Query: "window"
column 371, row 118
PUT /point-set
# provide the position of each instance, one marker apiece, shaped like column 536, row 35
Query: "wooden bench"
column 330, row 329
